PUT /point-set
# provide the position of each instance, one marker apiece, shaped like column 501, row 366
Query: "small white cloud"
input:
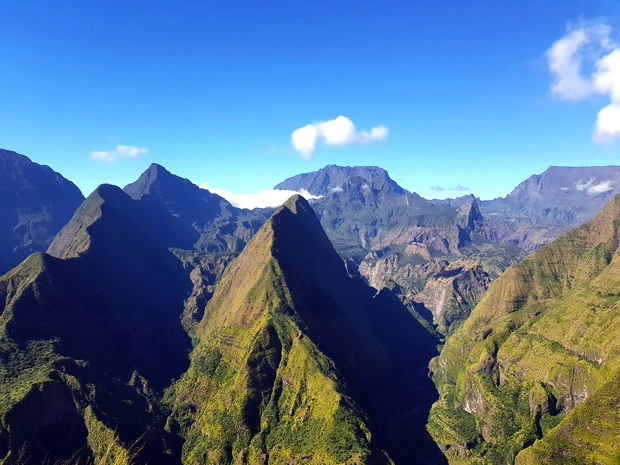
column 262, row 199
column 592, row 187
column 456, row 187
column 338, row 131
column 589, row 46
column 333, row 190
column 121, row 151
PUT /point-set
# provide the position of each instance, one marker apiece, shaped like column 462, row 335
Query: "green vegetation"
column 533, row 367
column 258, row 386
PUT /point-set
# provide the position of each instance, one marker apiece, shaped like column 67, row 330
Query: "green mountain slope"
column 537, row 362
column 297, row 363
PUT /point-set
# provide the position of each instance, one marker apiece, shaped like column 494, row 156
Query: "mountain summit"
column 545, row 205
column 332, row 178
column 35, row 202
column 296, row 361
column 207, row 221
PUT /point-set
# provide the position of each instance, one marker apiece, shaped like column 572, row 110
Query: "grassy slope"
column 258, row 387
column 542, row 340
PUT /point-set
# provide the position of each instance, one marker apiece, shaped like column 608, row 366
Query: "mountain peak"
column 35, row 202
column 156, row 169
column 108, row 192
column 332, row 178
column 154, row 178
column 297, row 203
column 469, row 212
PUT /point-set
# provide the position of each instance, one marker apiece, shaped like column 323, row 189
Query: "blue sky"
column 213, row 90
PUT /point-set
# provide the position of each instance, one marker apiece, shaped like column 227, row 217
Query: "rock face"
column 35, row 202
column 296, row 362
column 535, row 367
column 546, row 205
column 403, row 242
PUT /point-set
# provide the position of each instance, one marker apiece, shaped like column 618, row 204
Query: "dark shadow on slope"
column 423, row 311
column 379, row 348
column 402, row 432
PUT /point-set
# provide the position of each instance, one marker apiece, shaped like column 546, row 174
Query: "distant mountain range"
column 438, row 255
column 160, row 324
column 441, row 255
column 546, row 205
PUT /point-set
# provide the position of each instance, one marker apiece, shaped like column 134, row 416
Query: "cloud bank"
column 262, row 199
column 338, row 131
column 586, row 62
column 456, row 187
column 121, row 151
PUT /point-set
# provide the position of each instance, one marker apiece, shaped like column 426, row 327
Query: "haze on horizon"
column 450, row 98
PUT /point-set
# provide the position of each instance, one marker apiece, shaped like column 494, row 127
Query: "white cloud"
column 589, row 46
column 338, row 131
column 456, row 187
column 592, row 187
column 262, row 199
column 121, row 151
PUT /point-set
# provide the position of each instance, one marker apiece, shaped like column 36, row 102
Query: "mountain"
column 209, row 222
column 399, row 240
column 532, row 375
column 363, row 208
column 332, row 178
column 35, row 202
column 296, row 362
column 546, row 205
column 89, row 335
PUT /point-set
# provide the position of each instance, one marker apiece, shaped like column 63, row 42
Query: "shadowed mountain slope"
column 538, row 360
column 296, row 361
column 208, row 222
column 35, row 202
column 89, row 334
